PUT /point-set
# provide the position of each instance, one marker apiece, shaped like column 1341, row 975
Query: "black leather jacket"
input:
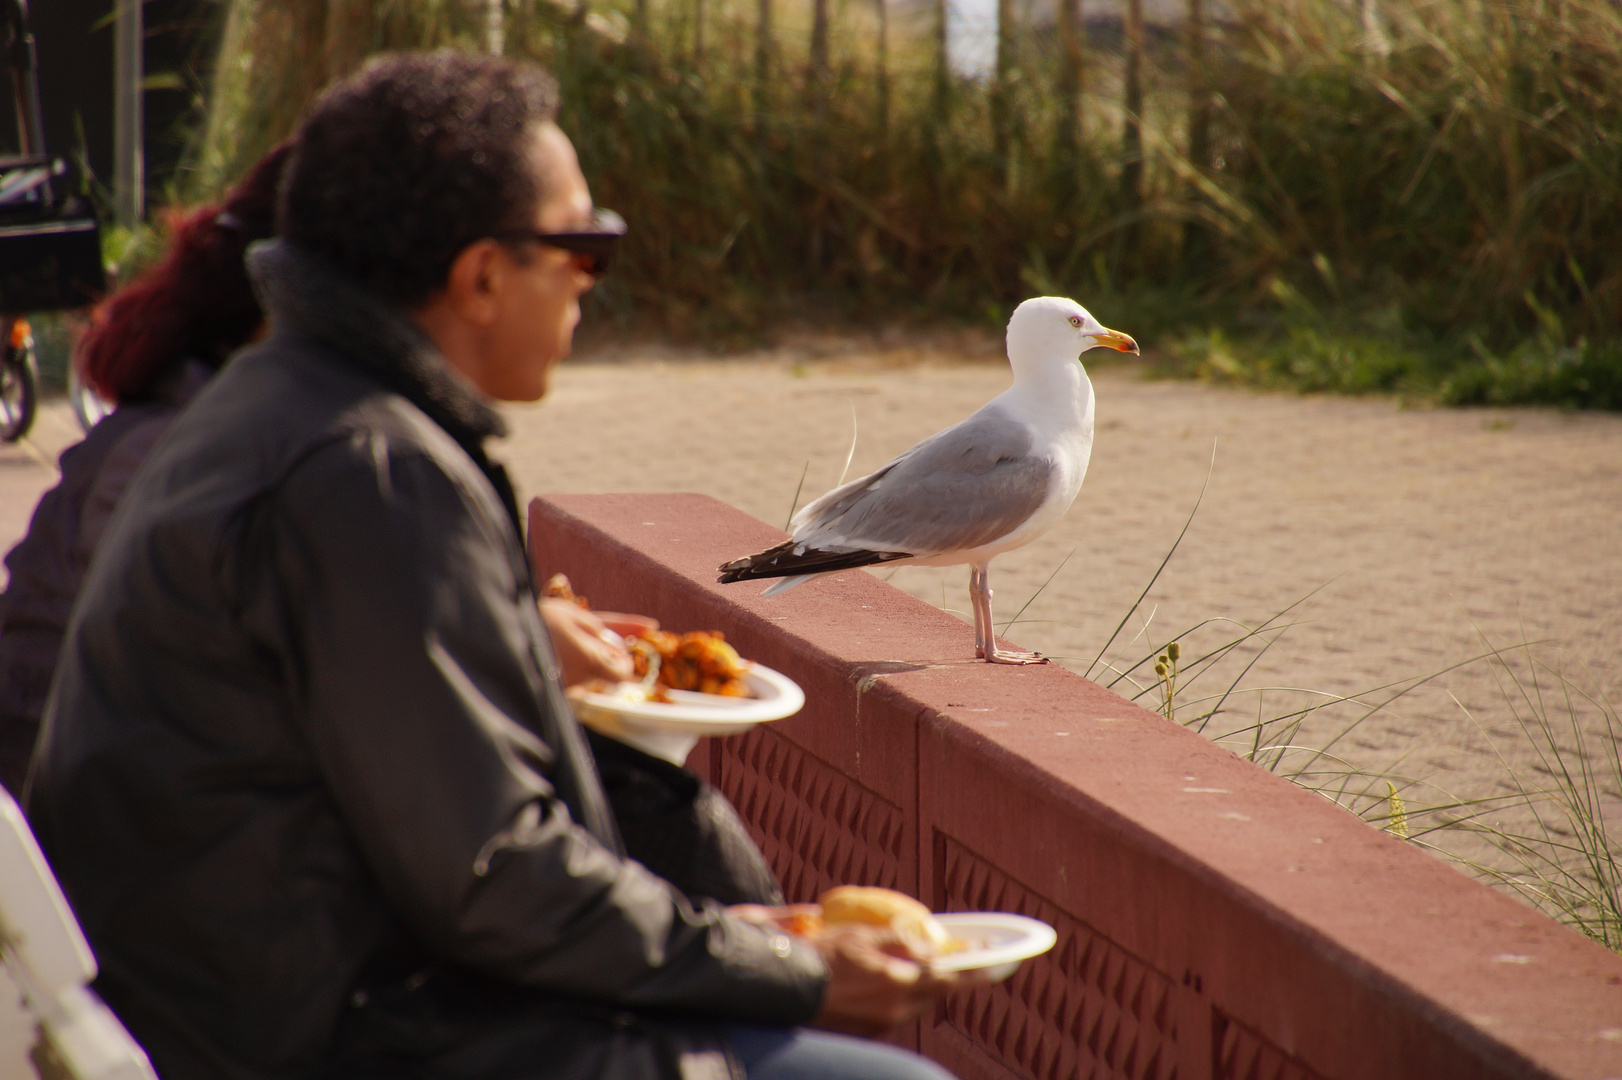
column 306, row 776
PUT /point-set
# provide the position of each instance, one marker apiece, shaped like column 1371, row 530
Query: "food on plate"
column 911, row 920
column 872, row 906
column 804, row 920
column 700, row 660
column 558, row 588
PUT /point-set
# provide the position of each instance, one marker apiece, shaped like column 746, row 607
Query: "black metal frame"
column 50, row 246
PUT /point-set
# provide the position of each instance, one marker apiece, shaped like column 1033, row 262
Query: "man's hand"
column 588, row 643
column 875, row 983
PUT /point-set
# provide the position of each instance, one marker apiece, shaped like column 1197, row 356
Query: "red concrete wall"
column 1214, row 920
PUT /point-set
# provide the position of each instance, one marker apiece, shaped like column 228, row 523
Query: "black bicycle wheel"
column 19, row 391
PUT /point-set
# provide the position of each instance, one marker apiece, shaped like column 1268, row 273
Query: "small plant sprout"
column 1166, row 671
column 1397, row 822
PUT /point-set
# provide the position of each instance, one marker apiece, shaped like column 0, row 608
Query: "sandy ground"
column 1409, row 537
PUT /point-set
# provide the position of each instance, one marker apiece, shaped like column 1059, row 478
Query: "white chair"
column 47, row 955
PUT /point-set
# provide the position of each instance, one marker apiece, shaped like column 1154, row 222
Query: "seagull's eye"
column 1075, row 320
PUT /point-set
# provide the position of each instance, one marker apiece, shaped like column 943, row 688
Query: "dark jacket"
column 48, row 564
column 307, row 777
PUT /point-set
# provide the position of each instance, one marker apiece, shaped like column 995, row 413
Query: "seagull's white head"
column 1055, row 329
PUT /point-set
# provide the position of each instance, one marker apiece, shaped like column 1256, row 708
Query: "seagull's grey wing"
column 960, row 488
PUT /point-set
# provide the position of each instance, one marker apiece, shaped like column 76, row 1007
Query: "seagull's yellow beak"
column 1114, row 339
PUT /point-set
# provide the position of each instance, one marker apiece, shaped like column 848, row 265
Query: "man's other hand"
column 588, row 644
column 875, row 982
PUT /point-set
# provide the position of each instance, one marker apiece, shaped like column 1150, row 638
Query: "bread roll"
column 873, row 906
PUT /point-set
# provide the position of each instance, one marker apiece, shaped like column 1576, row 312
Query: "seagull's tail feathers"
column 798, row 562
column 783, row 585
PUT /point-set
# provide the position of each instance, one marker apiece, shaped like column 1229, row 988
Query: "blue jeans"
column 799, row 1054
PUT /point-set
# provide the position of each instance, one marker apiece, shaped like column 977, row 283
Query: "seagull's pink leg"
column 977, row 595
column 985, row 633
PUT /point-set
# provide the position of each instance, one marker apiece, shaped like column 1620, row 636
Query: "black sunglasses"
column 595, row 241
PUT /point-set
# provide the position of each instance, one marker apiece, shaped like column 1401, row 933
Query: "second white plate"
column 997, row 941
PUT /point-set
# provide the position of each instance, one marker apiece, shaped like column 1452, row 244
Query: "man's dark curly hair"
column 401, row 166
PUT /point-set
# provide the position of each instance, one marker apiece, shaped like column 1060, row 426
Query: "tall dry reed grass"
column 1426, row 199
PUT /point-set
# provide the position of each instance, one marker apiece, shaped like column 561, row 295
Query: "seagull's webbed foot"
column 1000, row 655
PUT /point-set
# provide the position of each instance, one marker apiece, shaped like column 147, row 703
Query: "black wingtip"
column 750, row 565
column 787, row 560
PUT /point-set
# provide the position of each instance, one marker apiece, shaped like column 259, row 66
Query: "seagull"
column 989, row 484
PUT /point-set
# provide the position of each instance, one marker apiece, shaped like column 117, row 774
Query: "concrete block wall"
column 1214, row 920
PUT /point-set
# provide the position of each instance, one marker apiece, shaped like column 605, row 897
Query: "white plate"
column 671, row 731
column 997, row 941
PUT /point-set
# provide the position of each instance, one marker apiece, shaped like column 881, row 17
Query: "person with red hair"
column 150, row 347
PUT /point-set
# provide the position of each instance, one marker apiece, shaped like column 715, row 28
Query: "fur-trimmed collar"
column 307, row 295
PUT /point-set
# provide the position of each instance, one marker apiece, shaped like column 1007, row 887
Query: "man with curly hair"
column 307, row 776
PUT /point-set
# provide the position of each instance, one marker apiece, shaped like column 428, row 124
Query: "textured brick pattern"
column 817, row 828
column 1087, row 1009
column 1244, row 1055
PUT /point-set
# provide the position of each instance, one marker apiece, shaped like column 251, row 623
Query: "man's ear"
column 474, row 284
